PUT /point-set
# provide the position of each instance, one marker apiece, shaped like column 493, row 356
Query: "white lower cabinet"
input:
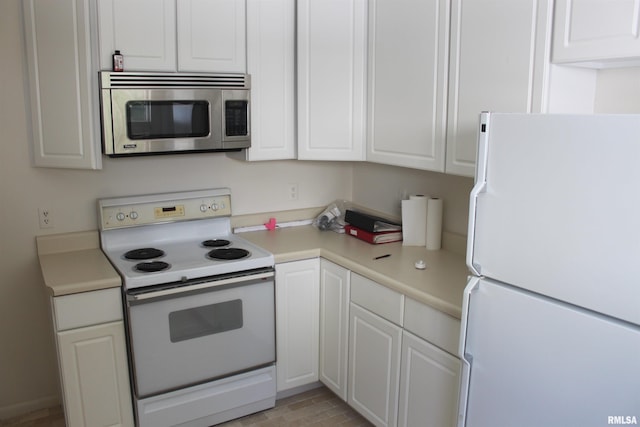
column 428, row 384
column 374, row 366
column 92, row 356
column 388, row 356
column 93, row 362
column 297, row 305
column 334, row 327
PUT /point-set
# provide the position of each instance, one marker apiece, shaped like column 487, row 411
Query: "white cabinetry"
column 428, row 384
column 597, row 33
column 408, row 63
column 62, row 84
column 211, row 35
column 297, row 293
column 174, row 35
column 428, row 370
column 93, row 359
column 334, row 327
column 271, row 64
column 143, row 30
column 374, row 350
column 331, row 61
column 498, row 62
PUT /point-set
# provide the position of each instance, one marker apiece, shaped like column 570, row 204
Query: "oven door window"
column 205, row 320
column 167, row 119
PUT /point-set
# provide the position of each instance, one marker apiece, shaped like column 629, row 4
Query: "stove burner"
column 144, row 253
column 151, row 266
column 228, row 253
column 215, row 243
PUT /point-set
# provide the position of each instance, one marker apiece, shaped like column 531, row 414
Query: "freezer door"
column 556, row 208
column 531, row 361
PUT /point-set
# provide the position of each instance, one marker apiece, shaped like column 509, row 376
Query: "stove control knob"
column 214, row 206
column 133, row 215
column 203, row 208
column 120, row 216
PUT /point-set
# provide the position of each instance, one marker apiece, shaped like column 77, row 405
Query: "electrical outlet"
column 45, row 217
column 293, row 191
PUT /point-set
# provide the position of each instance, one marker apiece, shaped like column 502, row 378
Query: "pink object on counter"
column 271, row 225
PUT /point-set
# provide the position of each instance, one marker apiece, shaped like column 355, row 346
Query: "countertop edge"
column 408, row 291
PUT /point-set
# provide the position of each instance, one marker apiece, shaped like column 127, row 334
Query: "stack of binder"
column 372, row 229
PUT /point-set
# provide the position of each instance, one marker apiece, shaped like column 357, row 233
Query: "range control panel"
column 124, row 212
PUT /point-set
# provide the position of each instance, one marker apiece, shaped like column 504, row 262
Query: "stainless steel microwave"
column 164, row 113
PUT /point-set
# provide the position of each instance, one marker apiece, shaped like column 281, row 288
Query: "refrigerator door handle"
column 465, row 357
column 479, row 187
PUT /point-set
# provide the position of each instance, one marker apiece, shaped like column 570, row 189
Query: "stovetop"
column 182, row 234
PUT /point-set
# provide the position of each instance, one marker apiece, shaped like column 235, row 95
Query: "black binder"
column 370, row 223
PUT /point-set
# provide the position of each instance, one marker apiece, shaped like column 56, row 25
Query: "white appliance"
column 200, row 309
column 551, row 316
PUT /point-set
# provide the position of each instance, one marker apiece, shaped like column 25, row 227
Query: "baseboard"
column 297, row 390
column 22, row 408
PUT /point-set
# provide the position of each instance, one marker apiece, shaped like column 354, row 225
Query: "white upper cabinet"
column 271, row 64
column 143, row 30
column 331, row 49
column 211, row 35
column 62, row 84
column 173, row 35
column 498, row 62
column 408, row 65
column 597, row 33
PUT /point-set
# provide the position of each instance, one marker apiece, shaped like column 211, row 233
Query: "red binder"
column 373, row 238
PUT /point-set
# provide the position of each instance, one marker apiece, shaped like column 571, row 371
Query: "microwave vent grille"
column 173, row 80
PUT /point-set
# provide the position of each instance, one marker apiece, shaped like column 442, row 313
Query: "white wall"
column 382, row 187
column 618, row 91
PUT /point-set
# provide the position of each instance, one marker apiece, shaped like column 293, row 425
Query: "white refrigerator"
column 551, row 314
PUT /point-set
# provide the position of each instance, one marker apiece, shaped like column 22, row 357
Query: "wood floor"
column 318, row 407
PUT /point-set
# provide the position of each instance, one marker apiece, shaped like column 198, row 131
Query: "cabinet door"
column 297, row 292
column 271, row 64
column 408, row 65
column 211, row 36
column 428, row 384
column 334, row 327
column 498, row 62
column 599, row 32
column 374, row 366
column 95, row 376
column 144, row 31
column 62, row 84
column 331, row 79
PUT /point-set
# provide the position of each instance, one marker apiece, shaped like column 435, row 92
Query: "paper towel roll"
column 434, row 224
column 414, row 220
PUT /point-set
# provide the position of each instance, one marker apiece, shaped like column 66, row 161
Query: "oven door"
column 191, row 334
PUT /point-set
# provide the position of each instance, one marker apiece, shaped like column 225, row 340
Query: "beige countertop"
column 440, row 285
column 73, row 262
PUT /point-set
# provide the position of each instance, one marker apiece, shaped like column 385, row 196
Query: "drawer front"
column 378, row 299
column 87, row 308
column 432, row 325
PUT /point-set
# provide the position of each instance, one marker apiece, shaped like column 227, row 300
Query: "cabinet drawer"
column 432, row 325
column 87, row 308
column 379, row 299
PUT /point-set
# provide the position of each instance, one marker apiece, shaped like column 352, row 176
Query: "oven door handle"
column 199, row 286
